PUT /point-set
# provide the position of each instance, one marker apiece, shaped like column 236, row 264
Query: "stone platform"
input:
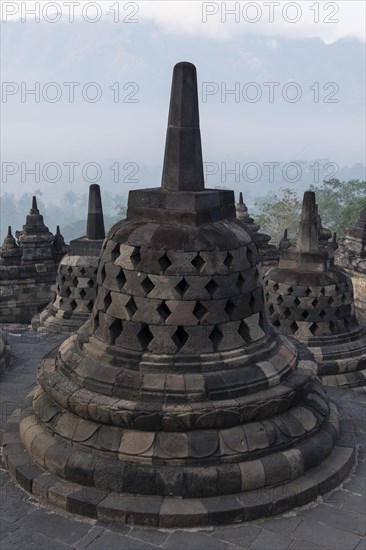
column 334, row 522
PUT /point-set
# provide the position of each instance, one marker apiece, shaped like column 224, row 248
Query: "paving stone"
column 181, row 540
column 299, row 544
column 6, row 527
column 336, row 517
column 270, row 540
column 111, row 540
column 241, row 535
column 93, row 533
column 149, row 535
column 26, row 539
column 325, row 535
column 55, row 526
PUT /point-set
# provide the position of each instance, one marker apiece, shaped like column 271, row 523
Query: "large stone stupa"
column 309, row 298
column 176, row 404
column 76, row 276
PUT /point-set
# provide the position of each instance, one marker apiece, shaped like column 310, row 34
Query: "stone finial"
column 34, row 209
column 9, row 241
column 183, row 166
column 284, row 243
column 95, row 224
column 241, row 200
column 309, row 225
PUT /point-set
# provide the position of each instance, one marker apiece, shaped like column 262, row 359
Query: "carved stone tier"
column 176, row 404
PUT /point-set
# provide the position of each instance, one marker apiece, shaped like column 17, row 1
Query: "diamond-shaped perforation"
column 249, row 254
column 305, row 315
column 147, row 285
column 82, row 271
column 322, row 291
column 333, row 327
column 322, row 315
column 61, row 301
column 216, row 337
column 294, row 327
column 69, row 270
column 287, row 313
column 180, row 337
column 107, row 301
column 230, row 307
column 344, row 298
column 182, row 287
column 229, row 260
column 82, row 294
column 211, row 287
column 131, row 307
column 121, row 279
column 63, row 279
column 115, row 252
column 68, row 292
column 164, row 262
column 115, row 330
column 243, row 331
column 199, row 311
column 330, row 300
column 103, row 274
column 91, row 283
column 145, row 336
column 275, row 287
column 73, row 305
column 96, row 321
column 290, row 290
column 89, row 306
column 307, row 292
column 198, row 262
column 297, row 302
column 75, row 281
column 163, row 311
column 252, row 303
column 279, row 300
column 240, row 282
column 315, row 302
column 313, row 328
column 135, row 256
column 271, row 309
column 276, row 323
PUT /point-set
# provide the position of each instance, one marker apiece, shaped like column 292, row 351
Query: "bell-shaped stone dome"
column 310, row 299
column 76, row 276
column 177, row 404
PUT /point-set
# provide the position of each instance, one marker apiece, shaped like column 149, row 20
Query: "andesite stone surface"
column 177, row 404
column 268, row 252
column 307, row 297
column 351, row 256
column 28, row 268
column 4, row 352
column 76, row 276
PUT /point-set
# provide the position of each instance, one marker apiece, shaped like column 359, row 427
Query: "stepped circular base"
column 169, row 511
column 52, row 320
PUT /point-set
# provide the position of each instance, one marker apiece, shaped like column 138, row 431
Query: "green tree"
column 275, row 213
column 340, row 202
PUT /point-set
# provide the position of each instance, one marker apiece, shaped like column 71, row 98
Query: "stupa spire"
column 95, row 223
column 34, row 209
column 308, row 234
column 183, row 166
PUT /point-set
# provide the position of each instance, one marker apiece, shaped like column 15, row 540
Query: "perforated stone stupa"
column 176, row 404
column 77, row 276
column 351, row 256
column 268, row 252
column 309, row 298
column 28, row 268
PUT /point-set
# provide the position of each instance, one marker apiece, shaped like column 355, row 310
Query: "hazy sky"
column 279, row 82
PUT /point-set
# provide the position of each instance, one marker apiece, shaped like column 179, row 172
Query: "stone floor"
column 336, row 522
